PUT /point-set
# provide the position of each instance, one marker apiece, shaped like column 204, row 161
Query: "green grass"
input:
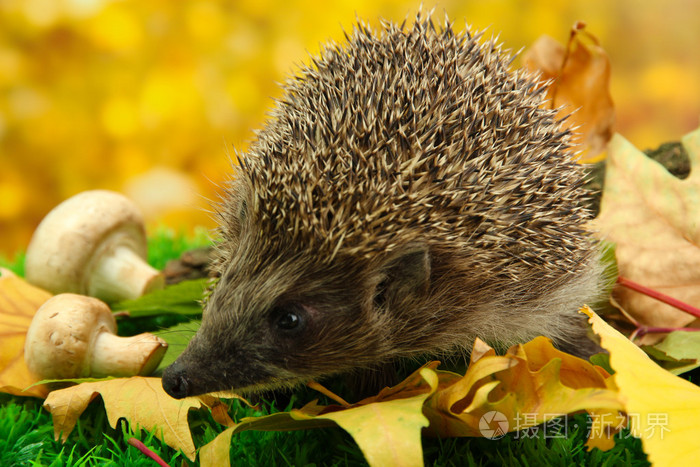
column 15, row 264
column 26, row 430
column 26, row 438
column 165, row 244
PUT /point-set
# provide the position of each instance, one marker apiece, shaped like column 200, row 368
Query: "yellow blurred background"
column 149, row 97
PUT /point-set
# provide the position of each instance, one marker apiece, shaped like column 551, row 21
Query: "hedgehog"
column 408, row 194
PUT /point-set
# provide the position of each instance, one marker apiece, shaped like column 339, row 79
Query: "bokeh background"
column 149, row 97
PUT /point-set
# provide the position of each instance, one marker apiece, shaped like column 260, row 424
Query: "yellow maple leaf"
column 216, row 452
column 653, row 219
column 19, row 301
column 140, row 400
column 663, row 409
column 388, row 432
column 387, row 427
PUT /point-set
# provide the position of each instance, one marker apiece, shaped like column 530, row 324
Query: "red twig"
column 659, row 296
column 142, row 447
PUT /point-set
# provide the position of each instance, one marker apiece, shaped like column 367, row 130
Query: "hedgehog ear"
column 405, row 275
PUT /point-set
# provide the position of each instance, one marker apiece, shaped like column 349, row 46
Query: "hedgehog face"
column 291, row 320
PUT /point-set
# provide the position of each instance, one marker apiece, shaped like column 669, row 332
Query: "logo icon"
column 493, row 425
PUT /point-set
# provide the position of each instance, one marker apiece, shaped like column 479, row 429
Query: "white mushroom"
column 74, row 336
column 92, row 244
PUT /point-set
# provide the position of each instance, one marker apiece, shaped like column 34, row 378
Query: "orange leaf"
column 219, row 410
column 19, row 301
column 581, row 84
column 531, row 384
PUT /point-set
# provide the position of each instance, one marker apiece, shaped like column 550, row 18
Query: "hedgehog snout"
column 175, row 381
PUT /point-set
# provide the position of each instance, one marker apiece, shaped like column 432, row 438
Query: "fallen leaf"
column 177, row 337
column 678, row 353
column 19, row 301
column 388, row 432
column 183, row 298
column 602, row 360
column 531, row 384
column 672, row 365
column 663, row 409
column 681, row 345
column 654, row 220
column 580, row 75
column 219, row 410
column 387, row 427
column 216, row 452
column 140, row 400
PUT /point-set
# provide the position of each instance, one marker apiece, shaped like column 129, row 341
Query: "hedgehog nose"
column 175, row 382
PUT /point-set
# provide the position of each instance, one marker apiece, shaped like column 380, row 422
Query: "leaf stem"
column 575, row 30
column 142, row 447
column 659, row 296
column 326, row 392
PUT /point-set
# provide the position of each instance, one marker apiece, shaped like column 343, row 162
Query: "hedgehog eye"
column 289, row 318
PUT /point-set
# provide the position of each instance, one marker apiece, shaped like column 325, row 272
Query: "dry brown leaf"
column 19, row 301
column 141, row 401
column 219, row 410
column 654, row 220
column 581, row 83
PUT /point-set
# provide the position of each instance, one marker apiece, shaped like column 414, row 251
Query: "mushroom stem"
column 121, row 274
column 126, row 356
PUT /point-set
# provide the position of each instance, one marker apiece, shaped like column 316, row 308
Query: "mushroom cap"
column 62, row 251
column 62, row 333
